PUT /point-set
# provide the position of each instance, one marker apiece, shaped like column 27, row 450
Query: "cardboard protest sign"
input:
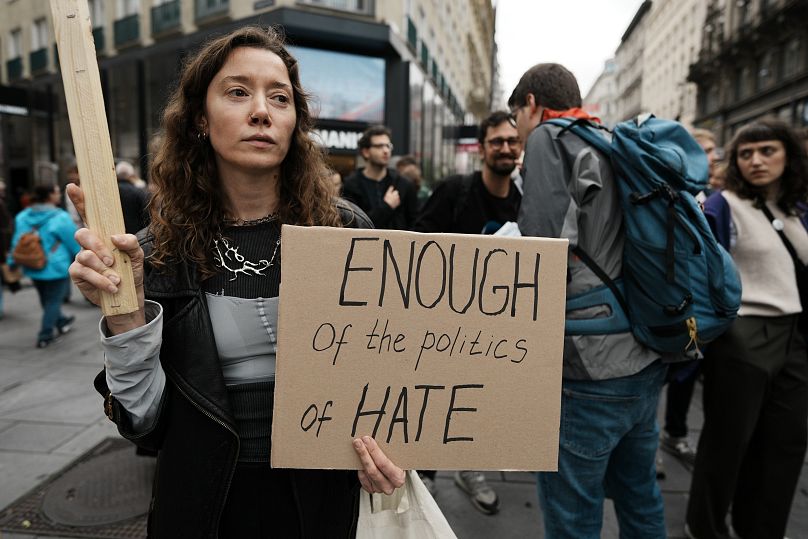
column 446, row 348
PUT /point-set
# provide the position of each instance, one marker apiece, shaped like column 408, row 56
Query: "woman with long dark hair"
column 191, row 374
column 751, row 450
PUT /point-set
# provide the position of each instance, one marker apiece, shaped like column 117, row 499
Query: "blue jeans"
column 608, row 442
column 51, row 294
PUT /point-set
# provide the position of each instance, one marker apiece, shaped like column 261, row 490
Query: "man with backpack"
column 646, row 280
column 611, row 383
column 477, row 203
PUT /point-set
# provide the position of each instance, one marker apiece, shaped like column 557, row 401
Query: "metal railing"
column 14, row 68
column 127, row 30
column 363, row 7
column 165, row 17
column 98, row 39
column 210, row 8
column 39, row 60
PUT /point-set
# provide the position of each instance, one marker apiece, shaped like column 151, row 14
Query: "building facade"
column 601, row 99
column 672, row 43
column 652, row 64
column 420, row 67
column 629, row 58
column 753, row 63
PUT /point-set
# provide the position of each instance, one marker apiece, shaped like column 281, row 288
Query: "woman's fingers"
column 77, row 197
column 84, row 275
column 380, row 470
column 88, row 263
column 90, row 241
column 93, row 269
column 128, row 244
column 365, row 482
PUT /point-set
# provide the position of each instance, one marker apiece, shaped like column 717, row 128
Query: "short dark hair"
column 553, row 86
column 405, row 161
column 793, row 182
column 42, row 193
column 373, row 131
column 494, row 119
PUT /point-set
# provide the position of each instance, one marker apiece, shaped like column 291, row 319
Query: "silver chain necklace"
column 251, row 222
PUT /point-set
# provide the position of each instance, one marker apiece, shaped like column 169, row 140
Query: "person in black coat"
column 134, row 200
column 390, row 200
column 236, row 162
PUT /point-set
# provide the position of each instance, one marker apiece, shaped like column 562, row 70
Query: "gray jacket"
column 569, row 192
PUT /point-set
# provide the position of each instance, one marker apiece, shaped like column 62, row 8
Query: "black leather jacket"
column 195, row 433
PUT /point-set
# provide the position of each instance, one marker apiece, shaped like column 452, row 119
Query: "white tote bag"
column 409, row 513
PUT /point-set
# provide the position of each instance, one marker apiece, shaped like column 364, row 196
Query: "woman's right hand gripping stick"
column 93, row 270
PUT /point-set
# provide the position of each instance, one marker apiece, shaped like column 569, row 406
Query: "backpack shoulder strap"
column 597, row 270
column 777, row 225
column 586, row 130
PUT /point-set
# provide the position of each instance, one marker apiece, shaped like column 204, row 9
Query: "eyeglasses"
column 383, row 145
column 499, row 142
column 514, row 113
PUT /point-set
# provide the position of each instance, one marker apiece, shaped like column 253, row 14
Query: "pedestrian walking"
column 610, row 382
column 6, row 230
column 55, row 230
column 477, row 203
column 236, row 161
column 753, row 442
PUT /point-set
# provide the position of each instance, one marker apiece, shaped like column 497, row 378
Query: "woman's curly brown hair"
column 188, row 206
column 793, row 182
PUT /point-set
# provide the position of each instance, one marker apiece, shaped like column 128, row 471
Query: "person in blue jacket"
column 52, row 282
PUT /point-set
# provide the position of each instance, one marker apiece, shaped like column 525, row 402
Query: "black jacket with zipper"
column 195, row 433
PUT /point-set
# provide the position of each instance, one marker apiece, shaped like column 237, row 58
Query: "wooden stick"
column 88, row 124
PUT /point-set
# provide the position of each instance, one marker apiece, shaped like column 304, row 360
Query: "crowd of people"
column 236, row 160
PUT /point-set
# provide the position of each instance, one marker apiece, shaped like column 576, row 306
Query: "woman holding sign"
column 191, row 374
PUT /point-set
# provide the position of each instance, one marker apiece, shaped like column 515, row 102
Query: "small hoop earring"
column 201, row 136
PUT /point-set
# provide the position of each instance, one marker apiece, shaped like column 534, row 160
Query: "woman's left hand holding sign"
column 379, row 473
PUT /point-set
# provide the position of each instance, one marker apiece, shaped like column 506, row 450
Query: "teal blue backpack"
column 679, row 288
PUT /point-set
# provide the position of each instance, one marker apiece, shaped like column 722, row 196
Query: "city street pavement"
column 50, row 414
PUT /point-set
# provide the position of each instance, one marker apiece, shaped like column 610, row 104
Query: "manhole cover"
column 109, row 488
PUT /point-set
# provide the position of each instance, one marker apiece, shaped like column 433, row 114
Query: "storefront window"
column 793, row 57
column 437, row 126
column 767, row 71
column 804, row 116
column 744, row 83
column 345, row 87
column 123, row 111
column 416, row 111
column 449, row 140
column 161, row 72
column 428, row 159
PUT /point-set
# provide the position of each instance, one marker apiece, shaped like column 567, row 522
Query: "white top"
column 767, row 272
